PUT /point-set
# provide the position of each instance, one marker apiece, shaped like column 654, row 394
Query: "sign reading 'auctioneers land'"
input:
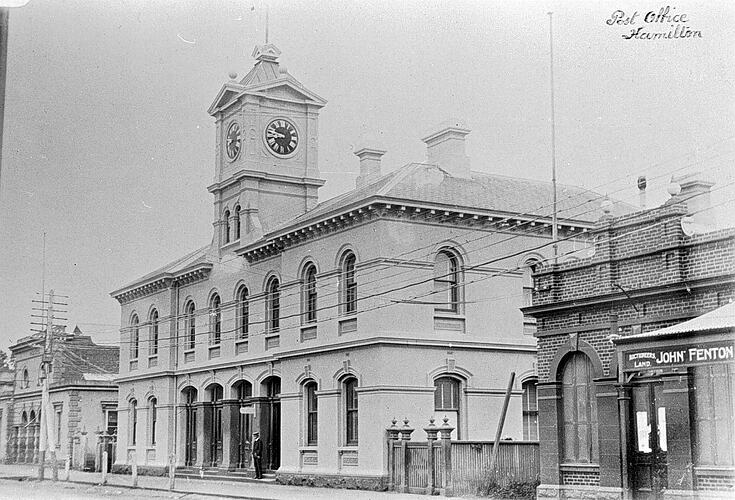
column 679, row 355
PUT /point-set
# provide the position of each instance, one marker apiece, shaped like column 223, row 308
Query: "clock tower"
column 266, row 169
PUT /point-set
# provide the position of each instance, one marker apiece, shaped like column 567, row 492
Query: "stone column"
column 608, row 434
column 36, row 443
column 230, row 428
column 202, row 435
column 624, row 430
column 678, row 431
column 550, row 425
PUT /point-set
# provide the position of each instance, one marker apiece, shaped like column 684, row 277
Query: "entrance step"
column 218, row 474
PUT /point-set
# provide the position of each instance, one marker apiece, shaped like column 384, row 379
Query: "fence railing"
column 456, row 467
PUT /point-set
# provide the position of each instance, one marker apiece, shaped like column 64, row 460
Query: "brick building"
column 318, row 323
column 82, row 392
column 621, row 404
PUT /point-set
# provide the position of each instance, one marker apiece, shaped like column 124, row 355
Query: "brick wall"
column 581, row 478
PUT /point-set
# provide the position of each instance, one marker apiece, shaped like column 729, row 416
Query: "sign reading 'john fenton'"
column 679, row 355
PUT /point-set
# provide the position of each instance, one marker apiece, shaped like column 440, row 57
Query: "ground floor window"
column 713, row 415
column 579, row 410
column 530, row 411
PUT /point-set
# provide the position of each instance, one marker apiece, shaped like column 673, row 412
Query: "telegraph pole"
column 554, row 228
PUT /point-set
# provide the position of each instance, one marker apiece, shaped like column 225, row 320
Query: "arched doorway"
column 243, row 392
column 189, row 397
column 214, row 392
column 270, row 422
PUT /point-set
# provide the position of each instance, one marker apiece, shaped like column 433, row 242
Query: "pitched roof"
column 199, row 256
column 429, row 184
column 722, row 318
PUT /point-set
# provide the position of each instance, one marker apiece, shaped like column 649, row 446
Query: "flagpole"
column 554, row 228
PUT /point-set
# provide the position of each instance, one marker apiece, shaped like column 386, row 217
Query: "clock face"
column 281, row 137
column 233, row 141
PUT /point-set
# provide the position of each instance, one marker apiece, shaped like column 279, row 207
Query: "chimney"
column 369, row 165
column 695, row 192
column 445, row 147
column 642, row 191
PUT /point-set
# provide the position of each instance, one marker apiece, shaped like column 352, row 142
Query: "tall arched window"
column 190, row 327
column 153, row 349
column 446, row 399
column 215, row 320
column 351, row 422
column 348, row 282
column 447, row 281
column 134, row 337
column 26, row 379
column 243, row 313
column 309, row 294
column 236, row 221
column 152, row 419
column 133, row 421
column 530, row 411
column 579, row 410
column 273, row 305
column 312, row 413
column 226, row 217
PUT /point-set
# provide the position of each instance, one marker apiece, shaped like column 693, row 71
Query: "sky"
column 108, row 147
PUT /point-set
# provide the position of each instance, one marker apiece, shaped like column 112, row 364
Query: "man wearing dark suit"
column 257, row 455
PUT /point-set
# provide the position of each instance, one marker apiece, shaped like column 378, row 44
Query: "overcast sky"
column 108, row 147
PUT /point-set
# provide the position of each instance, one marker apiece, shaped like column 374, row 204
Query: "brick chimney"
column 445, row 147
column 369, row 165
column 695, row 192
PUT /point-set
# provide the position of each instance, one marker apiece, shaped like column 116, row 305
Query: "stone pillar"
column 431, row 433
column 445, row 431
column 202, row 442
column 230, row 429
column 36, row 442
column 550, row 425
column 392, row 434
column 405, row 431
column 608, row 426
column 624, row 430
column 678, row 431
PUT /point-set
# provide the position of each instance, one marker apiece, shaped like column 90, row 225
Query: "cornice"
column 163, row 281
column 254, row 174
column 379, row 207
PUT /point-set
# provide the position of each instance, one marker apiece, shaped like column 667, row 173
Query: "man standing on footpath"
column 257, row 455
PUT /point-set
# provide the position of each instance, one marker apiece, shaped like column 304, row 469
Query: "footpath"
column 216, row 488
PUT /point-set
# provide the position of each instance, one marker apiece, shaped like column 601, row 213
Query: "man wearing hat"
column 257, row 455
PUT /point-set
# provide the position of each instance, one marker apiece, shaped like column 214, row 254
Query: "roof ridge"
column 400, row 174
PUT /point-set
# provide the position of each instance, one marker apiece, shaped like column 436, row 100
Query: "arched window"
column 153, row 419
column 26, row 379
column 348, row 282
column 579, row 410
column 226, row 217
column 273, row 305
column 530, row 411
column 446, row 399
column 236, row 221
column 243, row 313
column 309, row 294
column 351, row 426
column 190, row 327
column 447, row 282
column 133, row 421
column 215, row 320
column 134, row 337
column 312, row 414
column 153, row 349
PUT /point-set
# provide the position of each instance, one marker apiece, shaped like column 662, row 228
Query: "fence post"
column 67, row 466
column 392, row 435
column 446, row 435
column 135, row 470
column 171, row 472
column 406, row 431
column 431, row 432
column 104, row 467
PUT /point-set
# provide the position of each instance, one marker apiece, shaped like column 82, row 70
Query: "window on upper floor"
column 215, row 320
column 308, row 299
column 26, row 379
column 348, row 284
column 226, row 226
column 190, row 328
column 236, row 221
column 243, row 313
column 134, row 337
column 273, row 305
column 447, row 282
column 153, row 346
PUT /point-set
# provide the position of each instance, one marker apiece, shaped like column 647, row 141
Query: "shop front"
column 676, row 408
